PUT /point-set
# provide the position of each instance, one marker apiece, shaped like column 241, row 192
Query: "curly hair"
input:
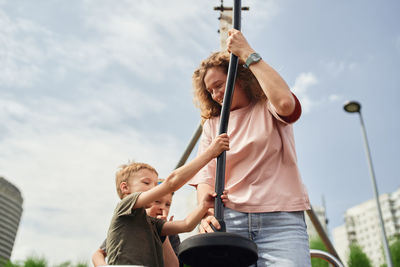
column 126, row 171
column 202, row 98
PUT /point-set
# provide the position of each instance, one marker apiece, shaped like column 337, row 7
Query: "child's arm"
column 183, row 174
column 99, row 258
column 190, row 222
column 170, row 259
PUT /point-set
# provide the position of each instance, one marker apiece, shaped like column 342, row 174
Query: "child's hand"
column 205, row 225
column 219, row 144
column 208, row 200
column 162, row 217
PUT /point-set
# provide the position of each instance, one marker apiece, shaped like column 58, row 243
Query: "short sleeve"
column 158, row 223
column 125, row 206
column 207, row 173
column 103, row 245
column 290, row 118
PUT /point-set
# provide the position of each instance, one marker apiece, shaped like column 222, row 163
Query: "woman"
column 266, row 195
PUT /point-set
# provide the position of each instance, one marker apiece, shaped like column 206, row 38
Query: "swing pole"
column 223, row 127
column 221, row 248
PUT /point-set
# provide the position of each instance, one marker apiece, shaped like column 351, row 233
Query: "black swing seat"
column 218, row 249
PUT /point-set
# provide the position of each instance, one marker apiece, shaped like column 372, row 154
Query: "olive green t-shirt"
column 133, row 237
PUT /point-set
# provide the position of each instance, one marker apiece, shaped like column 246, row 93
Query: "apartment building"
column 362, row 226
column 10, row 215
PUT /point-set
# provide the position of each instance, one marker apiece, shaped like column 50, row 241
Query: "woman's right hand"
column 237, row 44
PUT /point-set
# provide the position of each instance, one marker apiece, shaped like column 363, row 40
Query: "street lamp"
column 353, row 107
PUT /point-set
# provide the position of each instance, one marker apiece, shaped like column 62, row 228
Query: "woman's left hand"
column 238, row 45
column 224, row 197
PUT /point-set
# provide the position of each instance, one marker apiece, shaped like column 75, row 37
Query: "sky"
column 86, row 86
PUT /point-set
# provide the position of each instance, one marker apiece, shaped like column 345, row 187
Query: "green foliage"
column 8, row 264
column 357, row 257
column 394, row 251
column 34, row 261
column 316, row 243
column 64, row 264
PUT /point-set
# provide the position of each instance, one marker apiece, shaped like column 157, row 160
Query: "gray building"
column 10, row 215
column 362, row 226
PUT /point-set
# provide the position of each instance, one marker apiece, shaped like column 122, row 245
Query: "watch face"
column 255, row 57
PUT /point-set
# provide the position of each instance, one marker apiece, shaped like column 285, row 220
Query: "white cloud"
column 335, row 98
column 301, row 85
column 134, row 35
column 336, row 68
column 19, row 53
column 141, row 37
column 266, row 10
column 67, row 181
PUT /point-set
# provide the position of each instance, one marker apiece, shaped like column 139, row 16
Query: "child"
column 134, row 237
column 159, row 209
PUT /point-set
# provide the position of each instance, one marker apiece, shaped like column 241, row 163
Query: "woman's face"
column 215, row 80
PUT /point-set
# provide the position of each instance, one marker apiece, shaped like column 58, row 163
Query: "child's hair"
column 126, row 171
column 202, row 98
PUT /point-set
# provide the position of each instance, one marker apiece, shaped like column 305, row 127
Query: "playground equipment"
column 315, row 253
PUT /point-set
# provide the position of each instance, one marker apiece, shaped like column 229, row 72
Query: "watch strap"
column 252, row 58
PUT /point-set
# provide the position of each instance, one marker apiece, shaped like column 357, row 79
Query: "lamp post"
column 355, row 107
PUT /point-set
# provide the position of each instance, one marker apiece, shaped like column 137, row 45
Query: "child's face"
column 160, row 208
column 142, row 180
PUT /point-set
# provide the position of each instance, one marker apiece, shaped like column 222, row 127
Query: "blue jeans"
column 281, row 237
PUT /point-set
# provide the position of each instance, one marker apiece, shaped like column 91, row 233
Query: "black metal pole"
column 226, row 106
column 221, row 248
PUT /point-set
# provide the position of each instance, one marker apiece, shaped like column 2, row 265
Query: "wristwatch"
column 253, row 58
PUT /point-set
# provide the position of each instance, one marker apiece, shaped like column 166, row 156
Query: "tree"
column 316, row 243
column 357, row 257
column 34, row 261
column 394, row 251
column 31, row 261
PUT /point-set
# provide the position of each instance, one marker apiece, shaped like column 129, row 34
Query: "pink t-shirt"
column 261, row 166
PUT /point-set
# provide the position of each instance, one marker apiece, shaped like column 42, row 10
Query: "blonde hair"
column 202, row 98
column 127, row 170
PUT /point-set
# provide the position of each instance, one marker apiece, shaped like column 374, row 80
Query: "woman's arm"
column 273, row 85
